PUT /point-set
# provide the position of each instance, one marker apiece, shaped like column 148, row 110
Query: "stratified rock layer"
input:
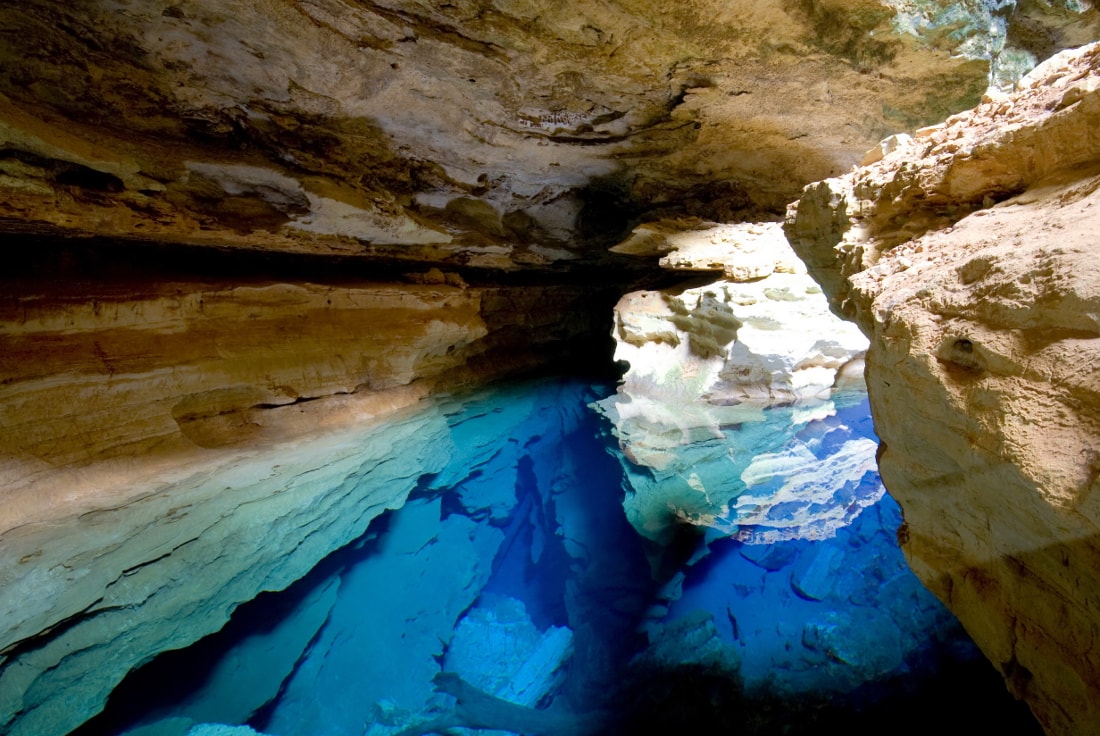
column 89, row 597
column 968, row 254
column 503, row 134
column 173, row 448
column 510, row 140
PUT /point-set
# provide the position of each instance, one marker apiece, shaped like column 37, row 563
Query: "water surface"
column 515, row 569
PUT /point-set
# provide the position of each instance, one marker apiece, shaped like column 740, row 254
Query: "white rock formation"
column 705, row 362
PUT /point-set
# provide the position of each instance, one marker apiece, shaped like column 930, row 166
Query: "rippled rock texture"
column 445, row 178
column 968, row 255
column 172, row 449
column 503, row 563
column 88, row 598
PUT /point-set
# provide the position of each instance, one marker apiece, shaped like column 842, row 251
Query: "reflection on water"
column 515, row 570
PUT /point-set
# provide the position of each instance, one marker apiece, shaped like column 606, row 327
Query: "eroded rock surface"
column 88, row 598
column 968, row 254
column 504, row 134
column 171, row 449
column 458, row 168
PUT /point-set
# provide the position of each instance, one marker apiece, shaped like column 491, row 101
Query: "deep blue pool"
column 514, row 570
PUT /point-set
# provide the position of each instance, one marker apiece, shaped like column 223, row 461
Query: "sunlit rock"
column 704, row 363
column 968, row 255
column 795, row 494
column 453, row 134
column 233, row 227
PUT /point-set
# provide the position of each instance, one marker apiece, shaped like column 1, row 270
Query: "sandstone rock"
column 169, row 373
column 501, row 146
column 968, row 257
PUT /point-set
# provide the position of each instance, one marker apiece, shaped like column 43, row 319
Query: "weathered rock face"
column 146, row 374
column 508, row 133
column 89, row 597
column 968, row 255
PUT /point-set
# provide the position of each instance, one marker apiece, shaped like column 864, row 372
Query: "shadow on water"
column 966, row 697
column 515, row 569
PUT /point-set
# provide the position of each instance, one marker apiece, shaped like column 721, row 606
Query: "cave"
column 537, row 367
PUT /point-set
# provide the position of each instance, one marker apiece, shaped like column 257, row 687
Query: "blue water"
column 515, row 568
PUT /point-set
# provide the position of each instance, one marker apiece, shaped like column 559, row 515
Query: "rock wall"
column 506, row 134
column 968, row 255
column 171, row 448
column 128, row 374
column 88, row 597
column 458, row 167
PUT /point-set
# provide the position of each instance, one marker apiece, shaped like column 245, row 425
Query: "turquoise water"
column 515, row 570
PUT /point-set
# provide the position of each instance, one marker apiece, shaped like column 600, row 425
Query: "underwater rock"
column 825, row 617
column 219, row 729
column 384, row 615
column 497, row 649
column 478, row 710
column 690, row 640
column 104, row 592
column 816, row 573
column 241, row 680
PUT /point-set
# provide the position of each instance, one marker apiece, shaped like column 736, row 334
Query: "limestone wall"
column 968, row 254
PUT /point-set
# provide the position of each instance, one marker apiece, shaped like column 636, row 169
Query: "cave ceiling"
column 502, row 134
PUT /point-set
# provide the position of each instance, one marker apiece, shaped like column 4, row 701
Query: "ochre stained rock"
column 132, row 373
column 968, row 254
column 458, row 170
